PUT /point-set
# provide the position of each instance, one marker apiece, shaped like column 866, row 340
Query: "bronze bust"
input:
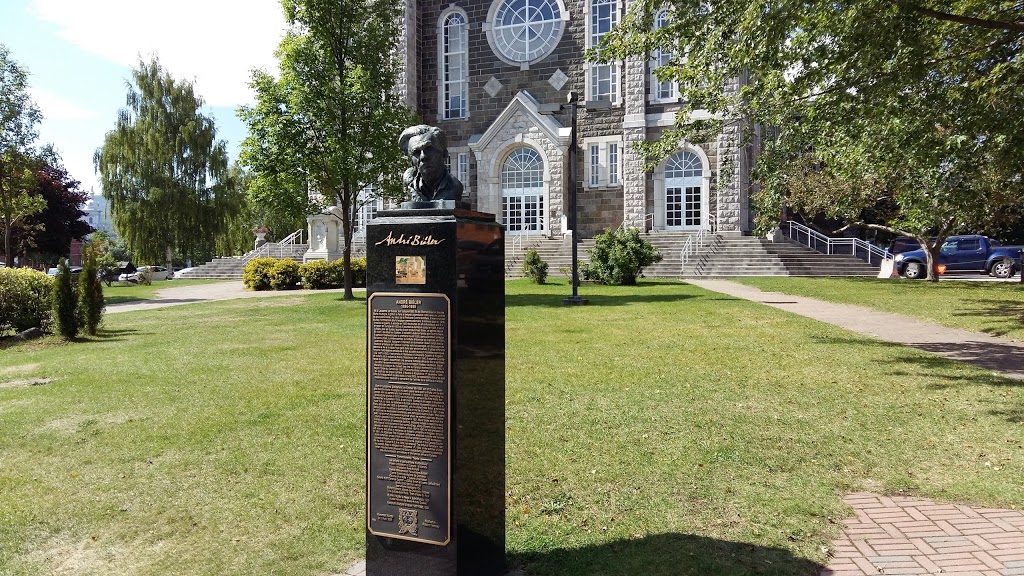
column 428, row 180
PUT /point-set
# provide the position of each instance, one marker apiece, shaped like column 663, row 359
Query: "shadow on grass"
column 1008, row 315
column 108, row 335
column 1005, row 359
column 667, row 555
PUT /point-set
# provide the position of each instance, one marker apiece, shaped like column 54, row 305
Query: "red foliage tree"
column 47, row 236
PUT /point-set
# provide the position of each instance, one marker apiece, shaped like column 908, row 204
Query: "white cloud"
column 55, row 107
column 215, row 43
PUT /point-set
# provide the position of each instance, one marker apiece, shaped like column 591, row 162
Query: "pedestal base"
column 435, row 394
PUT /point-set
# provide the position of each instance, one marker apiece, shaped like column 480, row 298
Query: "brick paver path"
column 896, row 535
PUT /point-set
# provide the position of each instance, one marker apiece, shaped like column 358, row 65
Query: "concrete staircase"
column 557, row 252
column 735, row 256
column 231, row 267
column 721, row 256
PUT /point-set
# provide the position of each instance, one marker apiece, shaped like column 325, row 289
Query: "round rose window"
column 525, row 31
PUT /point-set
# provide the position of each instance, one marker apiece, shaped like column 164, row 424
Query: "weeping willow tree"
column 164, row 173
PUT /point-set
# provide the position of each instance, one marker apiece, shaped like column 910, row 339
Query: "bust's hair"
column 433, row 133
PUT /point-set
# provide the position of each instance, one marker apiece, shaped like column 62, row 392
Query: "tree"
column 163, row 171
column 65, row 302
column 18, row 119
column 60, row 222
column 90, row 290
column 914, row 107
column 331, row 121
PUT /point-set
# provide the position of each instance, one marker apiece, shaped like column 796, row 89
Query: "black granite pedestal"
column 435, row 394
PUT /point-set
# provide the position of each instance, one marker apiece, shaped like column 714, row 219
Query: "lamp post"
column 575, row 299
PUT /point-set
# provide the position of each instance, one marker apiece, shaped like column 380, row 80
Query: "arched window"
column 522, row 191
column 662, row 89
column 683, row 180
column 454, row 85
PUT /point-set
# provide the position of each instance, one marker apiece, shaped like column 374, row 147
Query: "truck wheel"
column 913, row 270
column 1003, row 268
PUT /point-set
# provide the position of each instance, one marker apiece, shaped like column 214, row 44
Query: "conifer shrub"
column 284, row 275
column 619, row 257
column 65, row 302
column 534, row 267
column 256, row 275
column 90, row 290
column 26, row 300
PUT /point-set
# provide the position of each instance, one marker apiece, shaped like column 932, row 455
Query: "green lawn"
column 661, row 430
column 118, row 293
column 996, row 308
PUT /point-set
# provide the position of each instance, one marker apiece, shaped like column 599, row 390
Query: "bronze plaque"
column 409, row 417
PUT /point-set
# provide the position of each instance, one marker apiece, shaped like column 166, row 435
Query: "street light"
column 548, row 109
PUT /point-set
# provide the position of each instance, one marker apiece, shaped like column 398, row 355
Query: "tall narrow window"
column 613, row 164
column 595, row 165
column 604, row 78
column 662, row 89
column 458, row 165
column 368, row 205
column 455, row 63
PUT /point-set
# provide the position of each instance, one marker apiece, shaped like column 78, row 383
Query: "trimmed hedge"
column 284, row 275
column 25, row 299
column 273, row 274
column 256, row 275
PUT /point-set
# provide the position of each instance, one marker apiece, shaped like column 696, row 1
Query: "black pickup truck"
column 970, row 253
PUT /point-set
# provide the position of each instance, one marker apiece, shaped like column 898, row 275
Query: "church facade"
column 489, row 73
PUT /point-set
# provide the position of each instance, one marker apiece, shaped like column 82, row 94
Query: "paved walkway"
column 229, row 290
column 887, row 535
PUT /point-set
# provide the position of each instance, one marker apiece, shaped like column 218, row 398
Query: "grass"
column 662, row 430
column 118, row 293
column 995, row 308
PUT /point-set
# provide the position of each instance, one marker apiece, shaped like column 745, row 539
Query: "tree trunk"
column 169, row 255
column 931, row 253
column 7, row 244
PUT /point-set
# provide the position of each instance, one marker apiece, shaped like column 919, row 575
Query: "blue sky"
column 80, row 54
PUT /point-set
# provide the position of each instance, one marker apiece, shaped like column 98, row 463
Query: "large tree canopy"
column 163, row 171
column 331, row 120
column 19, row 117
column 50, row 232
column 914, row 105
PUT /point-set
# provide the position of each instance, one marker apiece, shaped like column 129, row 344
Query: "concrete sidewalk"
column 227, row 290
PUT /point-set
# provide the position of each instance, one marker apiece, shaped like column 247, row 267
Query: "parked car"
column 903, row 244
column 158, row 273
column 75, row 271
column 970, row 253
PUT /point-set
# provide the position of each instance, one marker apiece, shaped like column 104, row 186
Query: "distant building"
column 97, row 215
column 483, row 70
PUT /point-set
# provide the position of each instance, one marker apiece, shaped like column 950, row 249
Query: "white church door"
column 683, row 196
column 522, row 192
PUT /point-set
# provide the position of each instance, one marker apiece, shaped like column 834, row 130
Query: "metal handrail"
column 518, row 239
column 851, row 246
column 694, row 242
column 267, row 250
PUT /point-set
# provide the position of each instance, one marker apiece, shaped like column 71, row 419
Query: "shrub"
column 619, row 257
column 321, row 274
column 284, row 275
column 144, row 275
column 534, row 267
column 256, row 275
column 65, row 302
column 90, row 289
column 358, row 271
column 25, row 299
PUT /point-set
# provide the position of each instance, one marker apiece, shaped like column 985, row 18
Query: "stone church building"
column 483, row 70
